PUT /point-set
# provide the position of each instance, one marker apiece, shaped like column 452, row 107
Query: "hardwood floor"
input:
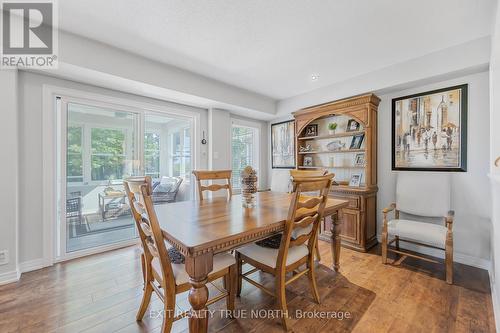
column 101, row 293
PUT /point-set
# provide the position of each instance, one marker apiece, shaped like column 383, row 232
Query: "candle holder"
column 248, row 187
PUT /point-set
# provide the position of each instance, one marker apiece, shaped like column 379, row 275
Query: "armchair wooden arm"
column 449, row 219
column 385, row 236
column 389, row 209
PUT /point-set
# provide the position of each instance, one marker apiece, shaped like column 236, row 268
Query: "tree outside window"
column 74, row 165
column 107, row 154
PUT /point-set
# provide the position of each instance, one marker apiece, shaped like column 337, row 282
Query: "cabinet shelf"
column 333, row 136
column 333, row 152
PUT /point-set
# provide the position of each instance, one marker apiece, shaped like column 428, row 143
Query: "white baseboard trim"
column 494, row 299
column 9, row 277
column 457, row 257
column 32, row 265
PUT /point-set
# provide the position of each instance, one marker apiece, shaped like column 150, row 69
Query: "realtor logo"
column 29, row 34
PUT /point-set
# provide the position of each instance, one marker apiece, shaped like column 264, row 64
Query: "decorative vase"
column 248, row 187
column 331, row 132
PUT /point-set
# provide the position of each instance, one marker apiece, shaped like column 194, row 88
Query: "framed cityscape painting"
column 429, row 131
column 283, row 145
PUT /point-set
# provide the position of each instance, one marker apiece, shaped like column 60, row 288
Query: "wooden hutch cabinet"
column 341, row 136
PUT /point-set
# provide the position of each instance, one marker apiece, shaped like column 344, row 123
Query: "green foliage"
column 74, row 165
column 332, row 126
column 108, row 149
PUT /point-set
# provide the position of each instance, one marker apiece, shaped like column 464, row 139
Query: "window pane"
column 74, row 166
column 107, row 167
column 243, row 139
column 108, row 146
column 152, row 154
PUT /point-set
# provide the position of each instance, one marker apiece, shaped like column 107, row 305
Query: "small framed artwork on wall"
column 283, row 145
column 429, row 130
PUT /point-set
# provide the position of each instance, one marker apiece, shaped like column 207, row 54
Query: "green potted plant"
column 331, row 128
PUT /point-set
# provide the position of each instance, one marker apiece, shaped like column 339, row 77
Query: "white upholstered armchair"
column 425, row 195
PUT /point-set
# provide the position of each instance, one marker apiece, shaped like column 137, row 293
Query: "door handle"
column 497, row 162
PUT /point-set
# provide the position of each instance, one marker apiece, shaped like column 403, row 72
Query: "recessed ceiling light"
column 314, row 77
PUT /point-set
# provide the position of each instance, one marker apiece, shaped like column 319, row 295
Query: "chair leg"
column 318, row 256
column 239, row 264
column 384, row 247
column 449, row 259
column 232, row 284
column 146, row 298
column 312, row 279
column 143, row 267
column 168, row 314
column 281, row 296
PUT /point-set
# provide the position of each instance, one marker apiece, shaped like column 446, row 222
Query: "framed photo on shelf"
column 308, row 161
column 311, row 130
column 352, row 125
column 283, row 145
column 359, row 160
column 357, row 140
column 429, row 131
column 355, row 180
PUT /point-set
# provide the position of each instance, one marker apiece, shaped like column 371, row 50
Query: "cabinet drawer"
column 354, row 201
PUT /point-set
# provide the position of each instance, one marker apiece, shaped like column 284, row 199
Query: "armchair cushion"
column 428, row 233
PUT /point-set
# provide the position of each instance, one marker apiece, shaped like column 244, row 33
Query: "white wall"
column 9, row 170
column 219, row 139
column 472, row 204
column 495, row 171
column 456, row 61
column 91, row 62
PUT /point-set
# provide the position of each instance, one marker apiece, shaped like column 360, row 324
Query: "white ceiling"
column 273, row 46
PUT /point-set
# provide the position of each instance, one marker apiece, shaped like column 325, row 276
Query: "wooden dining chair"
column 132, row 185
column 207, row 175
column 163, row 273
column 305, row 213
column 309, row 173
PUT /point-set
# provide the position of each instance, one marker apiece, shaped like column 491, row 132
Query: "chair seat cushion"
column 269, row 256
column 423, row 232
column 221, row 261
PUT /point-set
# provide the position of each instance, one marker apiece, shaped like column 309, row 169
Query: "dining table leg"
column 335, row 232
column 198, row 269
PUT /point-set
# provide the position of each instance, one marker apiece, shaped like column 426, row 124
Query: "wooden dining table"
column 201, row 229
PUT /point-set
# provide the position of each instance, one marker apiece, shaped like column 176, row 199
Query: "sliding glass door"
column 100, row 146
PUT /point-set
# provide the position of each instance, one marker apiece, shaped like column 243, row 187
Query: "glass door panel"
column 101, row 150
column 167, row 157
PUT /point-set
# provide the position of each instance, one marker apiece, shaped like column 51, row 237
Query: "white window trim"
column 50, row 155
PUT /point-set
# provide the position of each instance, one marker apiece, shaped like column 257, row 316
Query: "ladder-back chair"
column 162, row 275
column 305, row 213
column 309, row 173
column 207, row 175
